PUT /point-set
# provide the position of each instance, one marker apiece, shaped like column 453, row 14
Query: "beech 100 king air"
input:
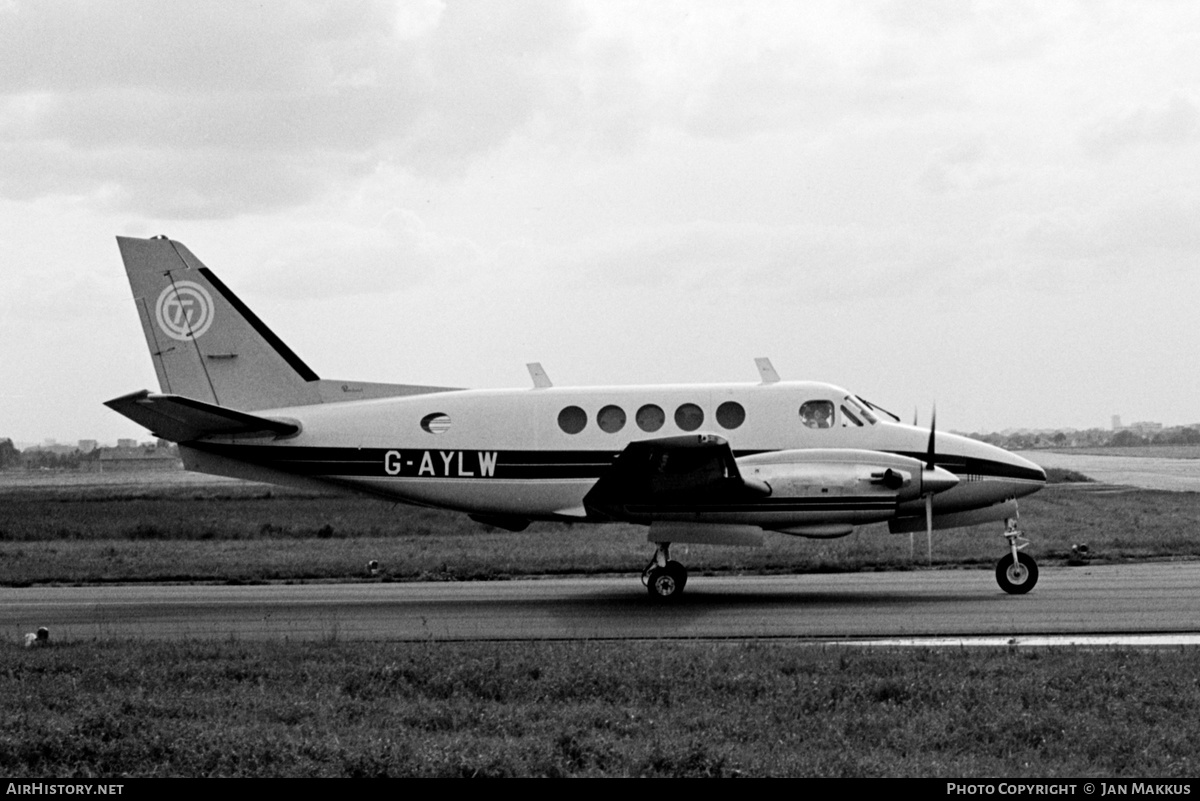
column 706, row 463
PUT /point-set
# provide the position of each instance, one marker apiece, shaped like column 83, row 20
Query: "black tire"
column 679, row 572
column 666, row 583
column 1017, row 578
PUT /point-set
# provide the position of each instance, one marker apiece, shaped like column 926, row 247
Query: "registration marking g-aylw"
column 441, row 464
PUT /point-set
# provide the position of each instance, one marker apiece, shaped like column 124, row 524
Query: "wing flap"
column 181, row 419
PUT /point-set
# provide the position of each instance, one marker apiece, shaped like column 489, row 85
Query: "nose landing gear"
column 1017, row 572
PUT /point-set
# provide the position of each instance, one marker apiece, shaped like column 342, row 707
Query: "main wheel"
column 666, row 583
column 679, row 572
column 1017, row 578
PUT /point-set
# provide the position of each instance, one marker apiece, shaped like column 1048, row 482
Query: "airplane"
column 700, row 463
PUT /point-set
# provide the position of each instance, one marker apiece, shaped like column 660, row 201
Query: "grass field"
column 595, row 709
column 190, row 708
column 249, row 533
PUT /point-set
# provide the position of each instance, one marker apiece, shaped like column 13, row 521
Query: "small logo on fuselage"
column 184, row 310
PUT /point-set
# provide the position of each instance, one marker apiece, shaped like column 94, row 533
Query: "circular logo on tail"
column 184, row 310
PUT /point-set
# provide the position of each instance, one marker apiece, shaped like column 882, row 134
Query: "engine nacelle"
column 835, row 472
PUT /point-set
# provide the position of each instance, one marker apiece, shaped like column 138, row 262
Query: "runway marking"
column 1048, row 641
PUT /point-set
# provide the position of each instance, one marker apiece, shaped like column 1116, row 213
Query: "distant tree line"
column 9, row 456
column 1091, row 438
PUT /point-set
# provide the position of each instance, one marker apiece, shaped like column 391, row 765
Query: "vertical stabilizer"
column 206, row 343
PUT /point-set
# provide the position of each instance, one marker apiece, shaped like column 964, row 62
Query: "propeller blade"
column 932, row 435
column 929, row 529
column 930, row 466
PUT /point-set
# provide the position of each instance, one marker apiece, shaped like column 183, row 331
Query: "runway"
column 1100, row 601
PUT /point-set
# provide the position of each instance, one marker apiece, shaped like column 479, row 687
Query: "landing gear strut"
column 1017, row 572
column 664, row 579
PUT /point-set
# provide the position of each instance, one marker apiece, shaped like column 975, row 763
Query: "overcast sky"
column 990, row 206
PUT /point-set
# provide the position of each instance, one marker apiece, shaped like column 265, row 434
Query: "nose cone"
column 1032, row 475
column 937, row 480
column 991, row 470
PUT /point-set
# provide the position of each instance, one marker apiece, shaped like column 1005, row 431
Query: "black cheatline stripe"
column 794, row 506
column 519, row 464
column 988, row 468
column 316, row 461
column 275, row 342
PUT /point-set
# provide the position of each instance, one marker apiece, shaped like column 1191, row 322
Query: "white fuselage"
column 512, row 452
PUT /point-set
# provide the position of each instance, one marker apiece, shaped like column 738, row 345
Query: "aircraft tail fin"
column 207, row 344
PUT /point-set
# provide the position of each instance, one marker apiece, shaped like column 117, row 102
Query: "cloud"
column 1175, row 123
column 323, row 259
column 967, row 165
column 211, row 110
column 743, row 260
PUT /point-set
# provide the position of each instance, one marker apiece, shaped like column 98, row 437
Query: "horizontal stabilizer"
column 181, row 419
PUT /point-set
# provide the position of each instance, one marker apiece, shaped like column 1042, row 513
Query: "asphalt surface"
column 1143, row 599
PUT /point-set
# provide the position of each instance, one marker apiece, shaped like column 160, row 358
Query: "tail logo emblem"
column 184, row 310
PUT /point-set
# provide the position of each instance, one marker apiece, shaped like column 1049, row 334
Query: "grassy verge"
column 249, row 533
column 588, row 709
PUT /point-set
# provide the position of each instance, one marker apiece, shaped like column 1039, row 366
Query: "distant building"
column 1142, row 429
column 127, row 443
column 51, row 446
column 125, row 459
column 88, row 445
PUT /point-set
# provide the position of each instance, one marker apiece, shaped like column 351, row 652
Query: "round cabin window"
column 689, row 417
column 730, row 414
column 650, row 418
column 611, row 419
column 572, row 419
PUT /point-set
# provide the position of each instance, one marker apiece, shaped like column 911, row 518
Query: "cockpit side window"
column 817, row 413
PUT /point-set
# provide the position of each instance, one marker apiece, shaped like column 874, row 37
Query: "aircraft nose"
column 1030, row 476
column 1036, row 473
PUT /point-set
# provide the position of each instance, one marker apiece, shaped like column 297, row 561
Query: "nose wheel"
column 664, row 578
column 1017, row 572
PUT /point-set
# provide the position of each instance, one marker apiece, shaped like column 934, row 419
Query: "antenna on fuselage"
column 540, row 379
column 766, row 370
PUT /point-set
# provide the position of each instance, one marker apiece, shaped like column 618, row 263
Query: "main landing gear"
column 1017, row 572
column 664, row 579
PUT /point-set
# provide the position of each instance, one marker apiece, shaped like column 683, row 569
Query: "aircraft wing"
column 181, row 419
column 670, row 471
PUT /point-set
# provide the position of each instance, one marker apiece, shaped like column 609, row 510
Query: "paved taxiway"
column 1122, row 599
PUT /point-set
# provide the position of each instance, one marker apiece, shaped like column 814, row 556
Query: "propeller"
column 931, row 484
column 929, row 465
